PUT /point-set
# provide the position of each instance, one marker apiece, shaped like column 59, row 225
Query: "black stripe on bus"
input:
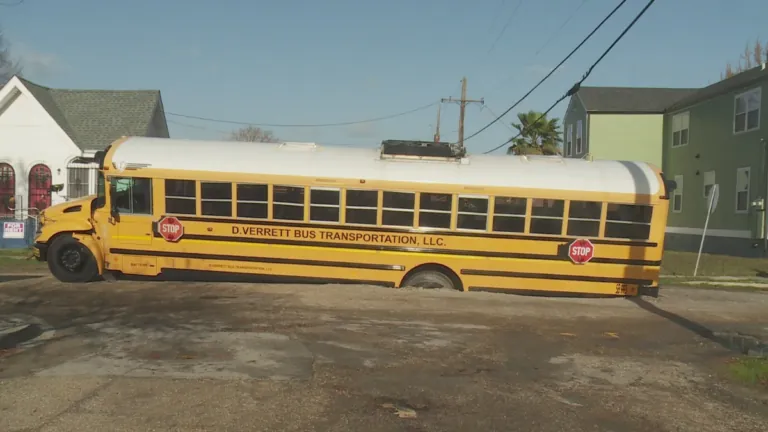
column 224, row 276
column 488, row 254
column 266, row 260
column 468, row 234
column 561, row 277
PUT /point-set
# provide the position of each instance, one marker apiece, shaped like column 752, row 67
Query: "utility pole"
column 437, row 127
column 462, row 108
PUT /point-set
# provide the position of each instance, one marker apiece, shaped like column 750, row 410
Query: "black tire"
column 429, row 279
column 71, row 261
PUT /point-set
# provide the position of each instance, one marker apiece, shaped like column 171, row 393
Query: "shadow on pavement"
column 731, row 341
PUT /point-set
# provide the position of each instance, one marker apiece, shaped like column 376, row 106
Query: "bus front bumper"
column 40, row 251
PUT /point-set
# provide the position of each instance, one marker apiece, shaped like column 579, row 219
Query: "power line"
column 577, row 86
column 550, row 72
column 387, row 117
column 9, row 4
column 503, row 29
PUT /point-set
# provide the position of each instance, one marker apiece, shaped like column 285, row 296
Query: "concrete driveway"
column 167, row 356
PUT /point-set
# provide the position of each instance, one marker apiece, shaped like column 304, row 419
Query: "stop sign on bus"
column 170, row 229
column 581, row 251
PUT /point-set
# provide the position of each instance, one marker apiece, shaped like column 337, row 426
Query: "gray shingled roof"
column 631, row 99
column 93, row 119
column 735, row 82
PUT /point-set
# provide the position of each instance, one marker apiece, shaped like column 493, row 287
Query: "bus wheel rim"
column 71, row 259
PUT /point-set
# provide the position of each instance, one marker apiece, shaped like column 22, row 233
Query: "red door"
column 7, row 189
column 39, row 188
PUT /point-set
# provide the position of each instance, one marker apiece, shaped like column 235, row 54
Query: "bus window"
column 473, row 213
column 288, row 203
column 435, row 210
column 132, row 195
column 216, row 199
column 398, row 209
column 547, row 216
column 509, row 214
column 324, row 204
column 361, row 207
column 252, row 200
column 628, row 221
column 584, row 218
column 180, row 197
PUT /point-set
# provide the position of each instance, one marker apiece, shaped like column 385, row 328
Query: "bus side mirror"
column 112, row 204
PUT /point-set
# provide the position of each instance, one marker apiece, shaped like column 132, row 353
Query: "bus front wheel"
column 70, row 261
column 429, row 279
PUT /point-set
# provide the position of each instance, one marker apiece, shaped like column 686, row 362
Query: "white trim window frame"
column 681, row 132
column 708, row 182
column 569, row 140
column 742, row 189
column 747, row 110
column 677, row 195
column 579, row 137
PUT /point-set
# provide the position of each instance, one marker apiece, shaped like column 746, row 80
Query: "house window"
column 569, row 140
column 680, row 123
column 742, row 190
column 677, row 195
column 747, row 111
column 579, row 146
column 709, row 183
column 7, row 189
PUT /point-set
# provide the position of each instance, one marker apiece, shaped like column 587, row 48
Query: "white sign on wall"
column 13, row 230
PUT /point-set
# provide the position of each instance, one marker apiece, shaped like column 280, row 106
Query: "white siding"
column 29, row 136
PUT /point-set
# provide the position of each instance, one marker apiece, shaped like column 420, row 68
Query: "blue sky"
column 310, row 62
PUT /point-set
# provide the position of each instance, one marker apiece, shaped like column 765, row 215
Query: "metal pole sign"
column 714, row 195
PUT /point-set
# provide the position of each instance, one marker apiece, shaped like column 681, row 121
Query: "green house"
column 716, row 135
column 618, row 123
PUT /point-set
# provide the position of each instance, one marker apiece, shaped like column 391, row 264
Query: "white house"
column 49, row 137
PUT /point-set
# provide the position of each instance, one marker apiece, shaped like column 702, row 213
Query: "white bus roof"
column 320, row 161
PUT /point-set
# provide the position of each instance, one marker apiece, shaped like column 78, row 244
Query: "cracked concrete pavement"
column 167, row 356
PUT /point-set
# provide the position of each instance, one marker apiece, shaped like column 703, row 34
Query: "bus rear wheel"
column 70, row 261
column 429, row 279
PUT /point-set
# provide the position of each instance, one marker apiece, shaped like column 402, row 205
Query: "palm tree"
column 536, row 137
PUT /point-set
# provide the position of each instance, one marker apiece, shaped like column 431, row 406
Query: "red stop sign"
column 581, row 251
column 170, row 228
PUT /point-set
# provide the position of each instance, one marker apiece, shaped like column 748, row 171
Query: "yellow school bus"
column 404, row 214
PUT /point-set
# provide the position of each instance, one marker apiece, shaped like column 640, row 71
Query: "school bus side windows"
column 216, row 199
column 324, row 204
column 132, row 195
column 288, row 203
column 398, row 209
column 361, row 207
column 180, row 197
column 584, row 218
column 509, row 214
column 547, row 216
column 473, row 213
column 252, row 201
column 435, row 210
column 628, row 221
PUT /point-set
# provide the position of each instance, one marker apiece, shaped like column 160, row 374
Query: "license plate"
column 626, row 289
